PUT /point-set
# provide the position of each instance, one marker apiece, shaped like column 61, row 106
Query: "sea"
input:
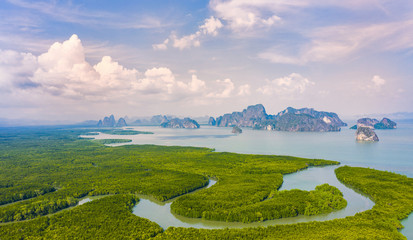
column 393, row 152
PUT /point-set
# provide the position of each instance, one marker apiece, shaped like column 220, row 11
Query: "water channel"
column 160, row 212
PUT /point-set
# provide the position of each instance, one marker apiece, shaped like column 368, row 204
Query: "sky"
column 69, row 61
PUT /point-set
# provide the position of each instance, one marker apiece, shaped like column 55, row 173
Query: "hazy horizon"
column 70, row 61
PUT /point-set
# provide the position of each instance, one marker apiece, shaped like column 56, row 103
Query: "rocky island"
column 180, row 123
column 385, row 123
column 366, row 133
column 291, row 119
column 236, row 130
column 111, row 122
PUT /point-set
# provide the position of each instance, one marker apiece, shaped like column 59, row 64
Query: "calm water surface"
column 394, row 152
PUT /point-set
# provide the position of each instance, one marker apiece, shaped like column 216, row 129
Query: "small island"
column 180, row 123
column 366, row 133
column 385, row 123
column 236, row 130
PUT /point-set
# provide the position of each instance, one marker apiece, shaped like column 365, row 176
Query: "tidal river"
column 392, row 153
column 160, row 212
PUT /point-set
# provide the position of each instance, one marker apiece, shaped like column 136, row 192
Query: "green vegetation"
column 394, row 201
column 229, row 203
column 44, row 170
column 106, row 218
column 111, row 141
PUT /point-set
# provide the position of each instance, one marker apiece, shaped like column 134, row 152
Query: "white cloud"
column 61, row 79
column 210, row 27
column 187, row 41
column 377, row 82
column 157, row 80
column 196, row 84
column 112, row 74
column 242, row 15
column 244, row 90
column 334, row 43
column 16, row 69
column 293, row 84
column 161, row 46
column 275, row 57
column 63, row 70
column 227, row 87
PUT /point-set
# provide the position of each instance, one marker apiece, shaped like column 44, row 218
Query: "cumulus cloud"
column 292, row 84
column 196, row 84
column 16, row 69
column 377, row 82
column 156, row 80
column 226, row 87
column 63, row 70
column 243, row 15
column 187, row 41
column 209, row 28
column 244, row 90
column 63, row 78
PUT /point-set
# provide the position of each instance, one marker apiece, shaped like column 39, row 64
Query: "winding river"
column 393, row 153
column 160, row 212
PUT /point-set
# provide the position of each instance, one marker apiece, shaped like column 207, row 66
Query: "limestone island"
column 291, row 119
column 111, row 122
column 180, row 123
column 366, row 133
column 385, row 123
column 236, row 130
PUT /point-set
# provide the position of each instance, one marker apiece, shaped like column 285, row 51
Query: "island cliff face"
column 385, row 123
column 249, row 117
column 366, row 133
column 304, row 123
column 111, row 122
column 212, row 121
column 291, row 119
column 121, row 123
column 180, row 123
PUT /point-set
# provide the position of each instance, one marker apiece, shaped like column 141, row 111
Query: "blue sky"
column 78, row 60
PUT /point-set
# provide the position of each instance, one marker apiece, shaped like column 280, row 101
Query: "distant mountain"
column 180, row 123
column 152, row 121
column 290, row 119
column 121, row 123
column 111, row 122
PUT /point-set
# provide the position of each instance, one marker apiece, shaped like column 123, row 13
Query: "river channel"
column 160, row 212
column 392, row 153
